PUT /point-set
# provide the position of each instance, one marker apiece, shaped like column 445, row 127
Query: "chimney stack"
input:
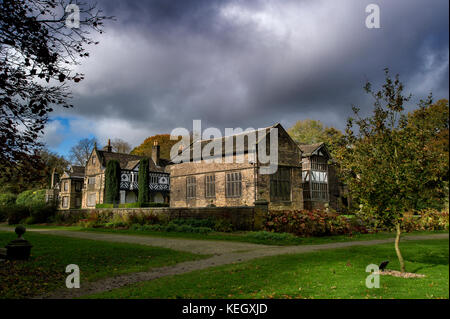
column 109, row 148
column 156, row 152
column 55, row 178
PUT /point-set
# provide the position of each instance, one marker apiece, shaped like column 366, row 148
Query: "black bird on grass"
column 383, row 265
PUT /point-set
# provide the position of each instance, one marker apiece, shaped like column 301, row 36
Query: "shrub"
column 31, row 197
column 309, row 223
column 223, row 225
column 426, row 220
column 171, row 227
column 116, row 225
column 42, row 212
column 104, row 206
column 29, row 220
column 3, row 213
column 195, row 222
column 7, row 199
column 17, row 213
column 142, row 205
column 112, row 182
column 89, row 223
column 143, row 180
column 269, row 236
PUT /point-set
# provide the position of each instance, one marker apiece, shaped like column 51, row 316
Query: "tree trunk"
column 397, row 249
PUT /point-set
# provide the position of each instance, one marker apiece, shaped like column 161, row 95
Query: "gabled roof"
column 77, row 171
column 260, row 135
column 74, row 172
column 313, row 149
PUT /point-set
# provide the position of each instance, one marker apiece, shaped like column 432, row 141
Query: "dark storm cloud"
column 242, row 64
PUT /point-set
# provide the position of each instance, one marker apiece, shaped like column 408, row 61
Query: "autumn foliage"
column 145, row 149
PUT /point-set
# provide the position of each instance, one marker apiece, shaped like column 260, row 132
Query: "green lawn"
column 51, row 254
column 241, row 236
column 253, row 237
column 336, row 273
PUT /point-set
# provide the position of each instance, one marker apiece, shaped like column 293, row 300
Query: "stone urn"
column 20, row 248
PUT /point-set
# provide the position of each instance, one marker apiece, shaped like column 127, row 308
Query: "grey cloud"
column 163, row 64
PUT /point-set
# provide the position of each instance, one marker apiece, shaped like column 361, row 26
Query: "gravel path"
column 224, row 253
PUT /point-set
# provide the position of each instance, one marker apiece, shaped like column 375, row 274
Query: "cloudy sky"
column 162, row 64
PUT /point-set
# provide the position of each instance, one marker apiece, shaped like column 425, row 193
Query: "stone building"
column 232, row 183
column 70, row 188
column 320, row 182
column 94, row 180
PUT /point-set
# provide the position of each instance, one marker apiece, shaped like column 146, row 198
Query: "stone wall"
column 180, row 172
column 242, row 218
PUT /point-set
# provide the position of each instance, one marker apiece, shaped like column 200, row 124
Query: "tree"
column 143, row 179
column 51, row 161
column 428, row 130
column 164, row 141
column 79, row 153
column 120, row 146
column 382, row 160
column 313, row 131
column 35, row 175
column 38, row 52
column 307, row 131
column 112, row 182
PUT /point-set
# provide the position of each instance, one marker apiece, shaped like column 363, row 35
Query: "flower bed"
column 306, row 223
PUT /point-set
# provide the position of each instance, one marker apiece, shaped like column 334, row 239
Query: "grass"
column 45, row 271
column 327, row 274
column 241, row 236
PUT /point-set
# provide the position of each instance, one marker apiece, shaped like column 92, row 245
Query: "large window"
column 190, row 187
column 210, row 186
column 91, row 180
column 233, row 187
column 66, row 186
column 280, row 185
column 92, row 200
column 65, row 202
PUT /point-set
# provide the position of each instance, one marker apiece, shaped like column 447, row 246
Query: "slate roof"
column 311, row 149
column 226, row 139
column 76, row 171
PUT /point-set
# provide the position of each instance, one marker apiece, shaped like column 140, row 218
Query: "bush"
column 31, row 197
column 426, row 220
column 223, row 225
column 7, row 199
column 87, row 223
column 41, row 213
column 305, row 223
column 112, row 182
column 171, row 227
column 143, row 205
column 268, row 236
column 142, row 219
column 104, row 206
column 195, row 222
column 16, row 214
column 3, row 213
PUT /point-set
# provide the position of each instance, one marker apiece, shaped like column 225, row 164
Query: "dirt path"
column 224, row 253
